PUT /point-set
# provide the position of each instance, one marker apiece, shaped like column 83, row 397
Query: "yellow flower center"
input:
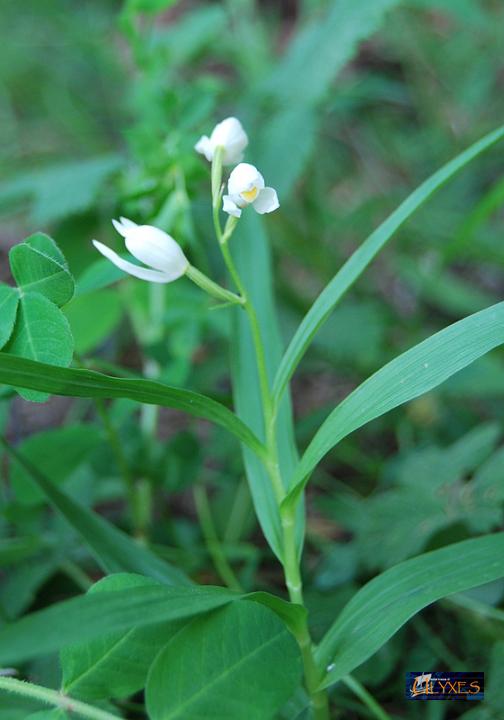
column 250, row 195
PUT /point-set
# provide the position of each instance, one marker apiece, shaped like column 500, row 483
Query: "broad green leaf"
column 254, row 264
column 9, row 298
column 355, row 266
column 114, row 664
column 19, row 588
column 294, row 616
column 48, row 715
column 149, row 6
column 38, row 265
column 320, row 50
column 93, row 318
column 14, row 550
column 240, row 662
column 388, row 601
column 41, row 333
column 56, row 453
column 113, row 549
column 413, row 373
column 284, row 145
column 58, row 191
column 88, row 617
column 100, row 274
column 87, row 383
column 301, row 80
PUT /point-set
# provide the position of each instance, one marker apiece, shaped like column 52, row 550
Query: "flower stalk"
column 293, row 581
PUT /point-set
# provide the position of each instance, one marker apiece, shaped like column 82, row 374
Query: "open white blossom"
column 246, row 187
column 151, row 246
column 230, row 135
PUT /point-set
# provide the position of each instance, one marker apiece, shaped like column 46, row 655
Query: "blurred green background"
column 348, row 106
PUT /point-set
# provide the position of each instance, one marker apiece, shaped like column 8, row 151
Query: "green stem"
column 53, row 697
column 75, row 573
column 211, row 287
column 360, row 691
column 115, row 445
column 212, row 541
column 319, row 698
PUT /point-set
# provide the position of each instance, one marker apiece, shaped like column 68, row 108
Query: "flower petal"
column 157, row 249
column 244, row 178
column 205, row 147
column 119, row 227
column 128, row 224
column 266, row 201
column 230, row 134
column 130, row 268
column 230, row 207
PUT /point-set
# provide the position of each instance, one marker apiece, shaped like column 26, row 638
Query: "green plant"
column 152, row 509
column 233, row 651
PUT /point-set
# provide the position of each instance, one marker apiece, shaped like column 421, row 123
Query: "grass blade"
column 388, row 601
column 355, row 266
column 90, row 384
column 413, row 373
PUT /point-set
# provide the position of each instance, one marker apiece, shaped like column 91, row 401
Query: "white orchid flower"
column 151, row 246
column 228, row 134
column 246, row 187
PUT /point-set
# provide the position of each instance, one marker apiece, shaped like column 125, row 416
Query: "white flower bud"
column 151, row 246
column 230, row 135
column 246, row 187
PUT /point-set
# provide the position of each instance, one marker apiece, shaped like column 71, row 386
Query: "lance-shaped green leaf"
column 38, row 265
column 91, row 616
column 388, row 601
column 41, row 333
column 87, row 383
column 358, row 262
column 114, row 550
column 9, row 298
column 240, row 660
column 413, row 373
column 254, row 264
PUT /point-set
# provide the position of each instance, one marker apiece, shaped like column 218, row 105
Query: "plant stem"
column 319, row 698
column 53, row 697
column 360, row 691
column 212, row 541
column 75, row 573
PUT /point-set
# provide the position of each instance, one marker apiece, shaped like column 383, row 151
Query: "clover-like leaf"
column 9, row 298
column 38, row 265
column 41, row 333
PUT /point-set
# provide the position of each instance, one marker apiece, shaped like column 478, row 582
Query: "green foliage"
column 348, row 107
column 55, row 453
column 41, row 333
column 254, row 264
column 8, row 305
column 61, row 190
column 38, row 265
column 254, row 673
column 33, row 323
column 379, row 609
column 116, row 664
column 93, row 318
column 114, row 550
column 40, row 376
column 97, row 614
column 415, row 372
column 351, row 270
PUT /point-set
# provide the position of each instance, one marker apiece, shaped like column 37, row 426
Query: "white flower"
column 230, row 135
column 246, row 187
column 151, row 246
